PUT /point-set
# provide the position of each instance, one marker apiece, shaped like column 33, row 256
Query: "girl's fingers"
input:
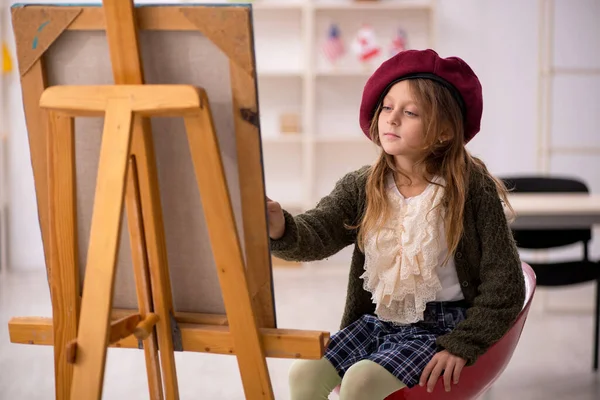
column 448, row 374
column 457, row 370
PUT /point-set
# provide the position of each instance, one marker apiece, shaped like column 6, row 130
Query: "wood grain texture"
column 229, row 29
column 122, row 328
column 146, row 326
column 181, row 317
column 144, row 100
column 139, row 255
column 122, row 35
column 220, row 221
column 253, row 305
column 64, row 278
column 96, row 304
column 258, row 261
column 36, row 28
column 33, row 84
column 148, row 18
column 278, row 343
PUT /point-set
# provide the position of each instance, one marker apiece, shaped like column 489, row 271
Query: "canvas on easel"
column 170, row 291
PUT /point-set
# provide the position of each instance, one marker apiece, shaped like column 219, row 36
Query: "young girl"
column 435, row 277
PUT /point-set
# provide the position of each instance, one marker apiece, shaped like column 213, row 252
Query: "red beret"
column 452, row 72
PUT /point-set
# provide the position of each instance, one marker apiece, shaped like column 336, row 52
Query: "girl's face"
column 400, row 126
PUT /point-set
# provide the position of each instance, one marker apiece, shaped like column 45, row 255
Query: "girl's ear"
column 444, row 136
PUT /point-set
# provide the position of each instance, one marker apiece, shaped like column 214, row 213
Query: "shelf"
column 256, row 5
column 299, row 138
column 571, row 71
column 279, row 74
column 574, row 150
column 345, row 74
column 420, row 5
column 261, row 4
column 277, row 5
column 375, row 5
column 320, row 74
column 283, row 138
column 342, row 139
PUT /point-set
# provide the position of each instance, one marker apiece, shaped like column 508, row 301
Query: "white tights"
column 365, row 380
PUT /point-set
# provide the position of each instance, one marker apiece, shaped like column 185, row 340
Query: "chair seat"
column 565, row 273
column 475, row 380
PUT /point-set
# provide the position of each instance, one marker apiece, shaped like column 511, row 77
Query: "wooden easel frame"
column 248, row 329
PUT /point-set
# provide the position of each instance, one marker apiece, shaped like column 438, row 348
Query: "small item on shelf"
column 333, row 47
column 290, row 123
column 365, row 45
column 399, row 43
column 7, row 64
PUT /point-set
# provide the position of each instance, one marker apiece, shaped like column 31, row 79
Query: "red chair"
column 478, row 378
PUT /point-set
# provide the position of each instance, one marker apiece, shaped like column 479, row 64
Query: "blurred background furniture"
column 552, row 273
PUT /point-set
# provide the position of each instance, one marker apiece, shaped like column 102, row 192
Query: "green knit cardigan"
column 487, row 261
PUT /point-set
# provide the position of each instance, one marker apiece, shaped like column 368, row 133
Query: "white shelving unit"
column 295, row 77
column 567, row 67
column 568, row 119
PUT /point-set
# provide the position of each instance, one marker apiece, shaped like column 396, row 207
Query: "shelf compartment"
column 420, row 5
column 283, row 51
column 283, row 168
column 334, row 160
column 278, row 97
column 337, row 104
column 385, row 24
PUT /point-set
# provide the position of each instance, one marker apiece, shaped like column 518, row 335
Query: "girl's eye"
column 386, row 108
column 410, row 114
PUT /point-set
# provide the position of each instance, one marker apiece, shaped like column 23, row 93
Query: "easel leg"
column 64, row 269
column 227, row 252
column 96, row 304
column 142, row 277
column 121, row 33
column 157, row 253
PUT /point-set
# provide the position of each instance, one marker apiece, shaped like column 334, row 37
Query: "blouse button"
column 458, row 254
column 465, row 283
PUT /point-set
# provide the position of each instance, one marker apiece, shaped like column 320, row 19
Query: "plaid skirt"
column 403, row 350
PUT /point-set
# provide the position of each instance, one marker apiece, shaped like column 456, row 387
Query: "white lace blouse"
column 403, row 261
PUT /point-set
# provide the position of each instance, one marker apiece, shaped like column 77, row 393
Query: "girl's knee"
column 302, row 372
column 358, row 380
column 312, row 379
column 368, row 380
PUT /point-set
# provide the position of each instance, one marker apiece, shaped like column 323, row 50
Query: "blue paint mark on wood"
column 35, row 39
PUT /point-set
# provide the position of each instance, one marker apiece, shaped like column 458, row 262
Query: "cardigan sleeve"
column 322, row 231
column 501, row 292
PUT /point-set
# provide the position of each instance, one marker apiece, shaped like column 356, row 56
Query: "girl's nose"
column 393, row 119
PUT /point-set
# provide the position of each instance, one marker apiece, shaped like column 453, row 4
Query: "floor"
column 552, row 360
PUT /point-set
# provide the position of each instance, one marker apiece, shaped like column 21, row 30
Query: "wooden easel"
column 83, row 327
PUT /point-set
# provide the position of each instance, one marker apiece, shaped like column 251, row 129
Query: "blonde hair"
column 445, row 156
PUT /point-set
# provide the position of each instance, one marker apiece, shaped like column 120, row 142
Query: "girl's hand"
column 443, row 361
column 276, row 219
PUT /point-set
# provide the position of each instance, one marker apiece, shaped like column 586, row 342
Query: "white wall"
column 497, row 37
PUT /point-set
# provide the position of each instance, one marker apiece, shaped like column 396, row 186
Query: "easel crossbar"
column 278, row 343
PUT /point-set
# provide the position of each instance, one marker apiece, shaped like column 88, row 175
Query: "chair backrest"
column 478, row 378
column 544, row 238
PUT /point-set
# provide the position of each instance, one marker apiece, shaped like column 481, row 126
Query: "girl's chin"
column 392, row 150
